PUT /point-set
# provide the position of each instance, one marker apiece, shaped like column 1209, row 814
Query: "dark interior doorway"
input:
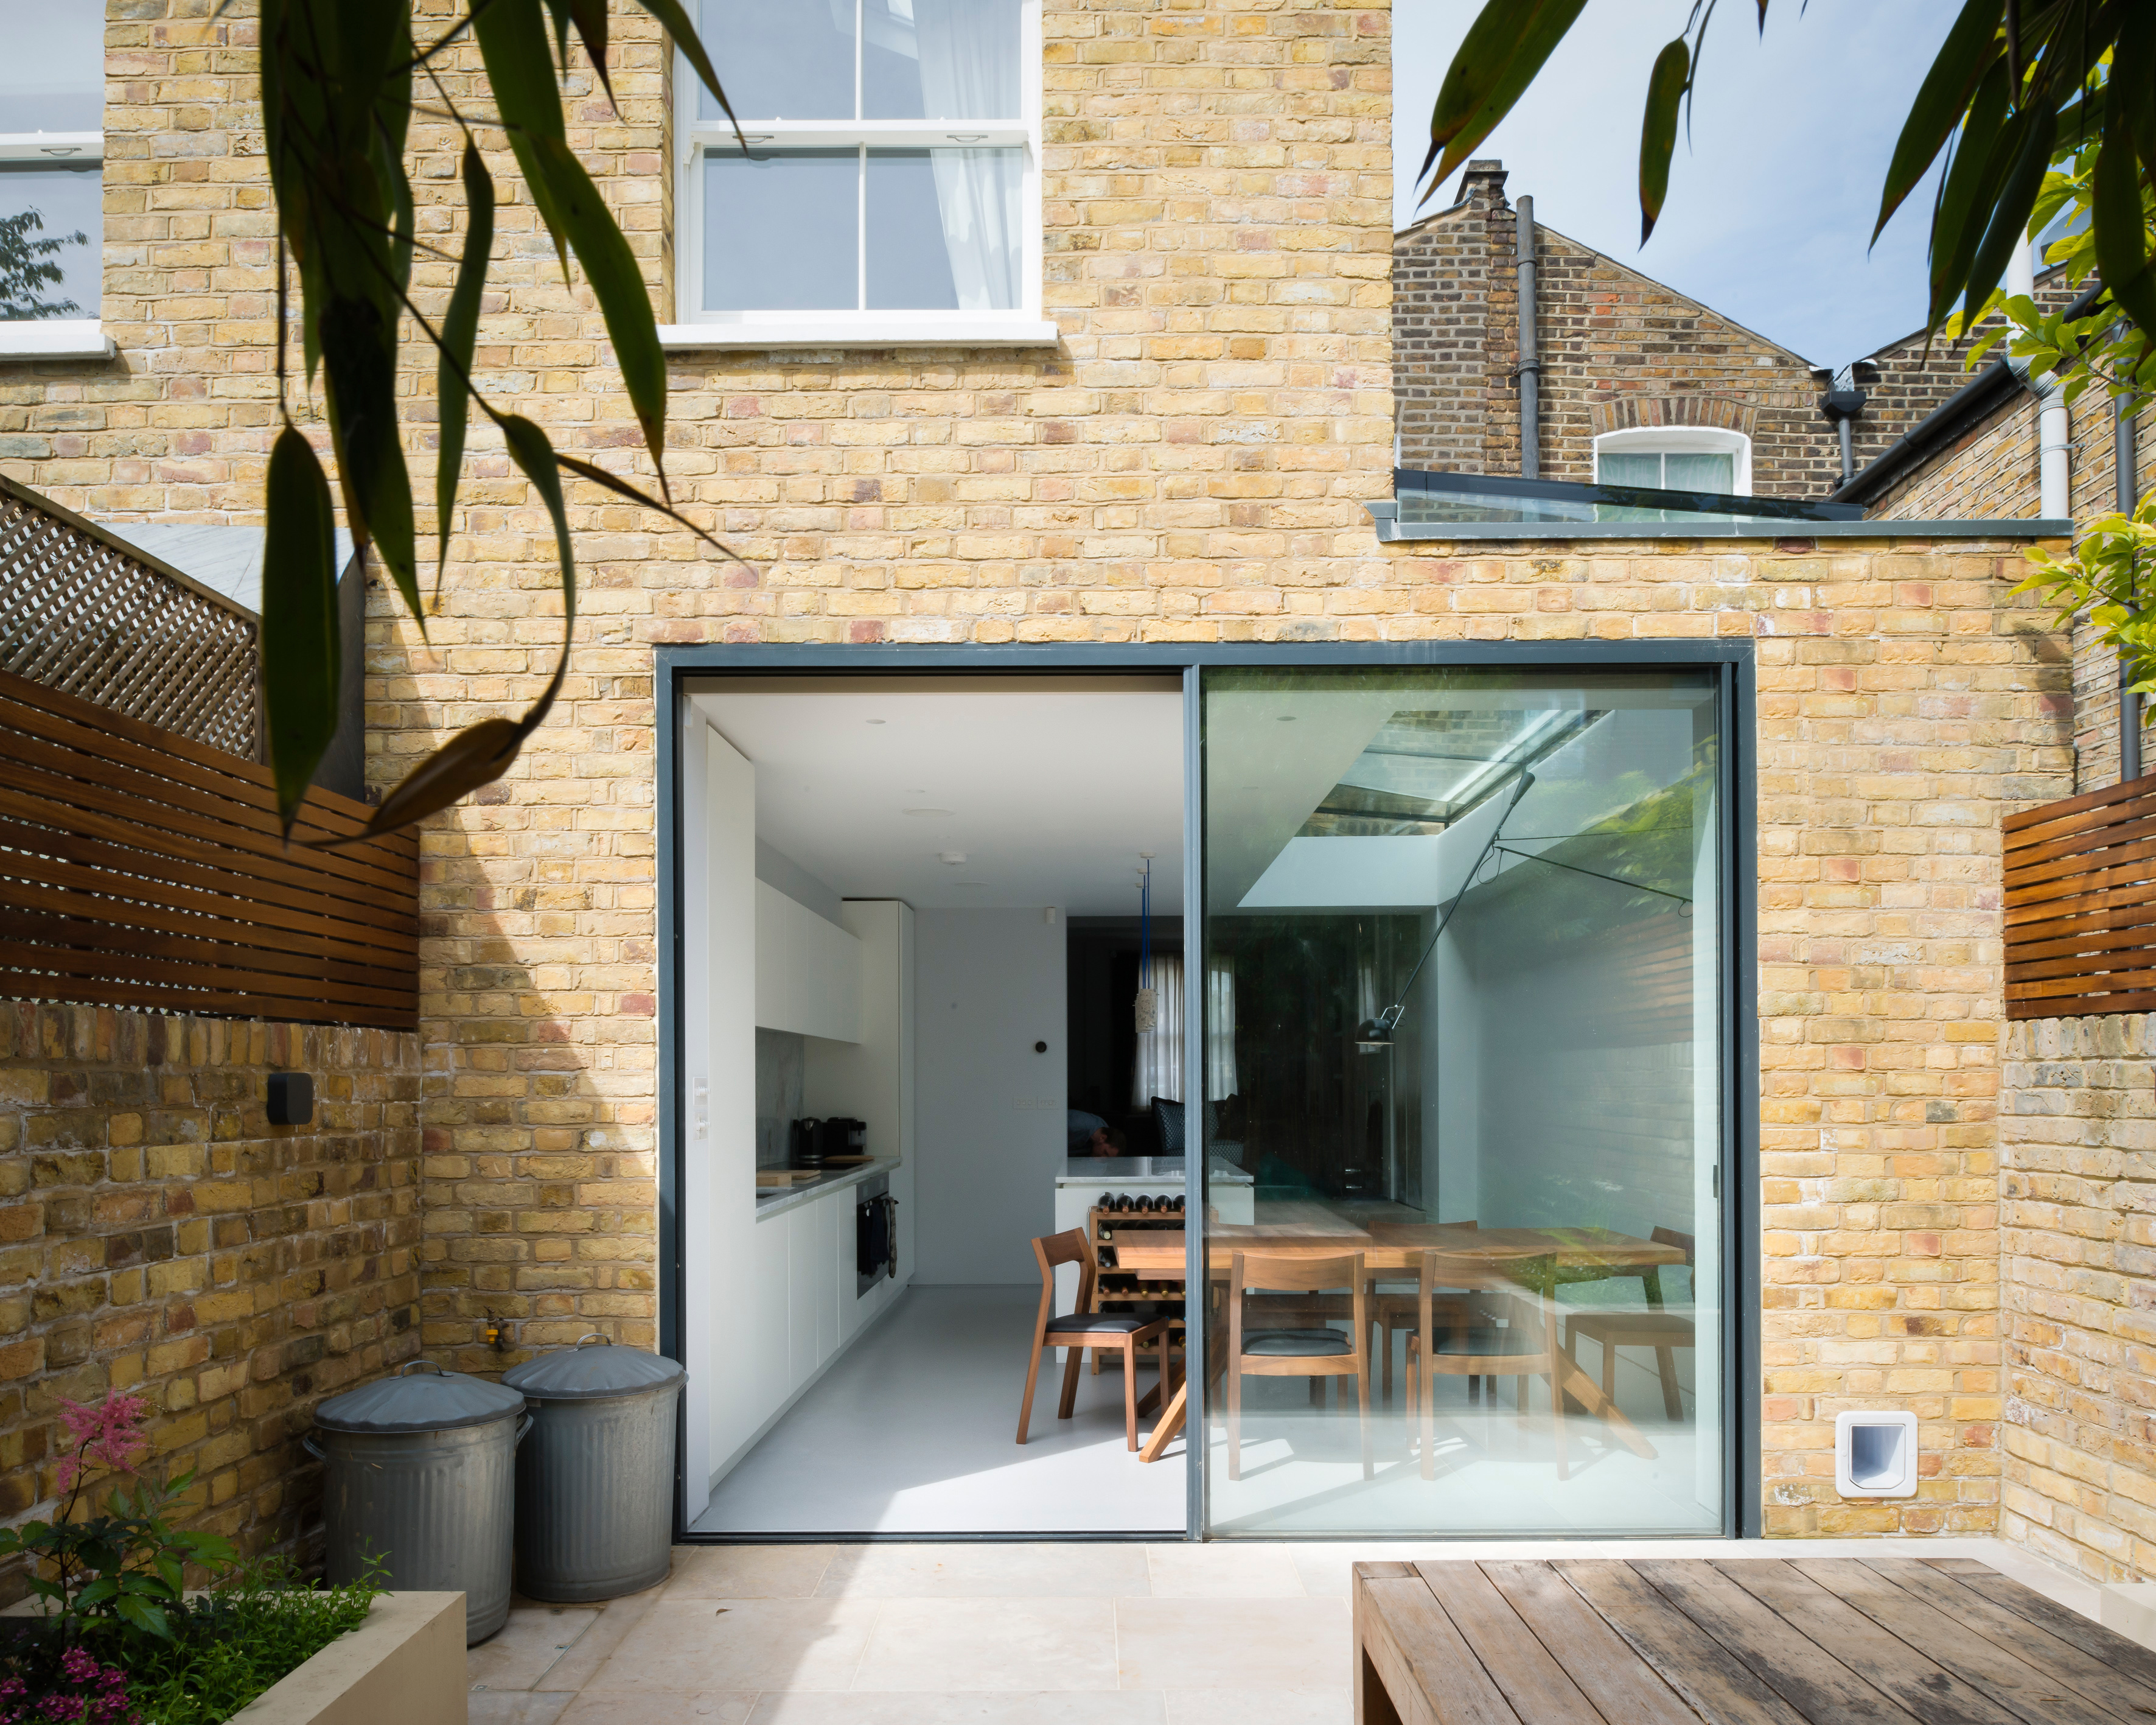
column 1103, row 982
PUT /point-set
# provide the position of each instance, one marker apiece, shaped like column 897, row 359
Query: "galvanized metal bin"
column 595, row 1482
column 419, row 1475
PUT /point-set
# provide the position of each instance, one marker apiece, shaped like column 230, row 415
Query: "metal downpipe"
column 1530, row 373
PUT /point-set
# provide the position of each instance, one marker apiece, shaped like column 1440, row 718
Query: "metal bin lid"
column 585, row 1372
column 421, row 1397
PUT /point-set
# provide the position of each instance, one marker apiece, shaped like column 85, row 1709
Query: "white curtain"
column 969, row 73
column 1157, row 1071
column 1219, row 1028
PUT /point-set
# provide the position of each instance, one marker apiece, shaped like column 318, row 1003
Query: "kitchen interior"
column 1459, row 996
column 885, row 881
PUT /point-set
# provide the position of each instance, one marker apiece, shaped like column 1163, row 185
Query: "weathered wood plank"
column 2045, row 814
column 1617, row 1682
column 2022, row 1688
column 2129, row 1659
column 1426, row 1666
column 2030, row 1641
column 1888, row 1664
column 1683, row 1654
column 1535, row 1684
column 1817, row 1684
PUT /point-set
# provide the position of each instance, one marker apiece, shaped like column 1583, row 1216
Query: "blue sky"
column 1769, row 209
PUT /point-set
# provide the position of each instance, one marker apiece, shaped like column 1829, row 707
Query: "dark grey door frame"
column 675, row 665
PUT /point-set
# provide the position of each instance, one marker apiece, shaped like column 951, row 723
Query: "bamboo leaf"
column 301, row 656
column 622, row 488
column 520, row 70
column 591, row 21
column 2010, row 214
column 1658, row 131
column 2119, row 224
column 1504, row 49
column 459, row 342
column 1942, row 100
column 1954, row 234
column 530, row 449
column 2134, row 78
column 359, row 358
column 674, row 20
column 618, row 281
column 477, row 754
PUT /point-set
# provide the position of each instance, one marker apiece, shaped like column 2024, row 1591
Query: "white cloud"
column 1771, row 206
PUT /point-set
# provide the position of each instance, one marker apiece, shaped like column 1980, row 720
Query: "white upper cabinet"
column 807, row 971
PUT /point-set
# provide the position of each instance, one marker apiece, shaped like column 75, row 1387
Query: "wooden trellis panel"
column 141, row 869
column 2081, row 905
column 82, row 612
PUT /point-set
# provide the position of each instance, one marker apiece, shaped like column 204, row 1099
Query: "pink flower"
column 109, row 1434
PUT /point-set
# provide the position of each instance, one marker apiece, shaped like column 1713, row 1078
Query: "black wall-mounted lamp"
column 291, row 1100
column 1375, row 1035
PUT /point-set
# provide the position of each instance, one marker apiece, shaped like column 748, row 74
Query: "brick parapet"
column 158, row 1236
column 2077, row 1193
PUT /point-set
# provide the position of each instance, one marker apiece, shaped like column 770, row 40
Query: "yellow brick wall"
column 2078, row 1221
column 158, row 1236
column 1190, row 462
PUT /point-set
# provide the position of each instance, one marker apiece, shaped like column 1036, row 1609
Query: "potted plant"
column 120, row 1640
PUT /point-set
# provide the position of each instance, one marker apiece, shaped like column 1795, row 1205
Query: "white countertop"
column 1143, row 1171
column 771, row 1200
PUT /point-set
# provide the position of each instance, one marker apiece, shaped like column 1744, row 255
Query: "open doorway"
column 894, row 892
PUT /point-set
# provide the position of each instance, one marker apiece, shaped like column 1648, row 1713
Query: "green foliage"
column 124, row 1568
column 231, row 1644
column 2013, row 82
column 339, row 84
column 2099, row 348
column 27, row 267
column 2112, row 577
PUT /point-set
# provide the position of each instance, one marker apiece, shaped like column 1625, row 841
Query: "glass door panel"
column 1465, row 976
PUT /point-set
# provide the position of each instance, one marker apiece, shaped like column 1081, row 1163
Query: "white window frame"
column 1680, row 440
column 694, row 328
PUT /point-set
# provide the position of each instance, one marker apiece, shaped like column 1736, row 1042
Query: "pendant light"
column 1147, row 1009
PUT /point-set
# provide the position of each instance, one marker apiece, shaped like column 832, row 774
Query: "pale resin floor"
column 912, row 1432
column 1240, row 1634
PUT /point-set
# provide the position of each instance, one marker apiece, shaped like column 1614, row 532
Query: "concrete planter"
column 406, row 1663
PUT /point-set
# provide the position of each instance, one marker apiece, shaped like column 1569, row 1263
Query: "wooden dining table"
column 1544, row 1257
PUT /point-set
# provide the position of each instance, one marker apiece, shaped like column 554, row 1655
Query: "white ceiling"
column 1052, row 787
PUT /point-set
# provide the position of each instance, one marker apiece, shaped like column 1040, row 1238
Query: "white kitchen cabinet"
column 807, row 971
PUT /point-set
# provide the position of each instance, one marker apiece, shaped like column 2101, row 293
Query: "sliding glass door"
column 1465, row 980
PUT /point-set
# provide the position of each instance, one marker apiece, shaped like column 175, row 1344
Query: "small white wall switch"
column 1875, row 1455
column 699, row 1110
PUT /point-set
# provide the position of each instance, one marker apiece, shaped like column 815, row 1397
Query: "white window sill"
column 55, row 338
column 989, row 331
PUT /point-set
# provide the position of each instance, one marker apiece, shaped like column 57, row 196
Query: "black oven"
column 876, row 1234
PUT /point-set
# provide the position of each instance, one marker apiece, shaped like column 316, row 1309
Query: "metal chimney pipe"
column 1530, row 373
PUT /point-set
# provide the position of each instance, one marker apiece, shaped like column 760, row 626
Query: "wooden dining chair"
column 1664, row 1332
column 1526, row 1348
column 1254, row 1350
column 1083, row 1327
column 1393, row 1312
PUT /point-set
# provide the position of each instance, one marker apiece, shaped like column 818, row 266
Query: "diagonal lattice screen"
column 82, row 613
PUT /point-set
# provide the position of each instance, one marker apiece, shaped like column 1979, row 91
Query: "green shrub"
column 229, row 1644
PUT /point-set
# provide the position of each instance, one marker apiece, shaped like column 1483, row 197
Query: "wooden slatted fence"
column 2081, row 905
column 141, row 869
column 82, row 611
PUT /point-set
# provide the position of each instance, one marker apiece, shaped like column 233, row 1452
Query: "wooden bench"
column 1747, row 1641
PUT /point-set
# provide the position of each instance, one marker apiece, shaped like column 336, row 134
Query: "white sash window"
column 890, row 189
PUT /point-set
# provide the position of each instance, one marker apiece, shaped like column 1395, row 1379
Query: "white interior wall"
column 719, row 1043
column 989, row 1132
column 1447, row 1018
